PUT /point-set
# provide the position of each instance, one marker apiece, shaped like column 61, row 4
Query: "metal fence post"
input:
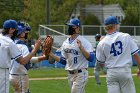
column 134, row 31
column 82, row 30
column 39, row 31
column 64, row 28
column 101, row 30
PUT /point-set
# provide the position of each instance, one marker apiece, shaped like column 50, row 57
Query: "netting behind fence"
column 58, row 36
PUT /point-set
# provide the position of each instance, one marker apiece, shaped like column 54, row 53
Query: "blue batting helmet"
column 20, row 23
column 111, row 20
column 74, row 22
column 20, row 30
column 24, row 24
column 10, row 24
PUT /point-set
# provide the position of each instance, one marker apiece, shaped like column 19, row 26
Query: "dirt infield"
column 60, row 78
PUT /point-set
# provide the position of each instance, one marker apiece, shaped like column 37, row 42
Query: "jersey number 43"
column 116, row 48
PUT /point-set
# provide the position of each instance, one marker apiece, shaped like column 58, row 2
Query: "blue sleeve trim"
column 62, row 61
column 20, row 42
column 135, row 52
column 91, row 57
column 17, row 56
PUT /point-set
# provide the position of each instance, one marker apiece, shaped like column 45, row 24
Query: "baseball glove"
column 47, row 45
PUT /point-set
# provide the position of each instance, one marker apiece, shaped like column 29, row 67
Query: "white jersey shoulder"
column 8, row 51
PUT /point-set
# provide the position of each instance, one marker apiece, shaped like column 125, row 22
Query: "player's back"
column 4, row 51
column 117, row 49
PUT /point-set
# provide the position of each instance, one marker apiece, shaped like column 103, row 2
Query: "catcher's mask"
column 26, row 26
column 73, row 23
column 28, row 29
column 20, row 30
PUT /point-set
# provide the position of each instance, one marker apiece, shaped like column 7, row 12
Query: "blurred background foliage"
column 35, row 12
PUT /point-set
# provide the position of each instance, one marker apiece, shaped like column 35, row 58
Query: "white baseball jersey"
column 74, row 58
column 8, row 51
column 116, row 50
column 17, row 68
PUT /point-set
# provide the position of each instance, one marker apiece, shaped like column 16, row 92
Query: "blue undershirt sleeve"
column 91, row 57
column 62, row 61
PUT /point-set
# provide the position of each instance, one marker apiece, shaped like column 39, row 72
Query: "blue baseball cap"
column 111, row 20
column 74, row 22
column 20, row 30
column 10, row 24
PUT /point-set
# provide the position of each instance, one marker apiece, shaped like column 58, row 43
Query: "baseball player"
column 76, row 53
column 116, row 50
column 8, row 51
column 98, row 66
column 19, row 72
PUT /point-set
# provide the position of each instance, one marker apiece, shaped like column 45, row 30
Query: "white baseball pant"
column 119, row 80
column 97, row 70
column 78, row 80
column 4, row 80
column 20, row 83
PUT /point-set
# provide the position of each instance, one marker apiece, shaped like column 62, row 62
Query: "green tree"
column 10, row 9
column 132, row 15
column 35, row 14
column 34, row 11
column 91, row 20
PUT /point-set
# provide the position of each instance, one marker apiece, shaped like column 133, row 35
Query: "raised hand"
column 37, row 44
column 79, row 44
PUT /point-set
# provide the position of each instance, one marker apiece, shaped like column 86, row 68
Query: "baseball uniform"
column 116, row 51
column 76, row 63
column 18, row 72
column 98, row 66
column 8, row 51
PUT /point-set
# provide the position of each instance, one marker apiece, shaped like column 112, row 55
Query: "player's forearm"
column 84, row 52
column 56, row 58
column 29, row 56
column 38, row 59
column 137, row 59
column 26, row 59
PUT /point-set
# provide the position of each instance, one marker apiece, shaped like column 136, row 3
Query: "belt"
column 19, row 74
column 75, row 71
column 3, row 68
column 117, row 67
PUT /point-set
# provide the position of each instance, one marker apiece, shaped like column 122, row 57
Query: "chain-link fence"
column 59, row 33
column 92, row 29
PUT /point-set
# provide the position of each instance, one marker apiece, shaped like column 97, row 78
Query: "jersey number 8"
column 75, row 60
column 116, row 48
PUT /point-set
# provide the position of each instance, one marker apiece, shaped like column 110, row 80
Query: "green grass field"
column 61, row 86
